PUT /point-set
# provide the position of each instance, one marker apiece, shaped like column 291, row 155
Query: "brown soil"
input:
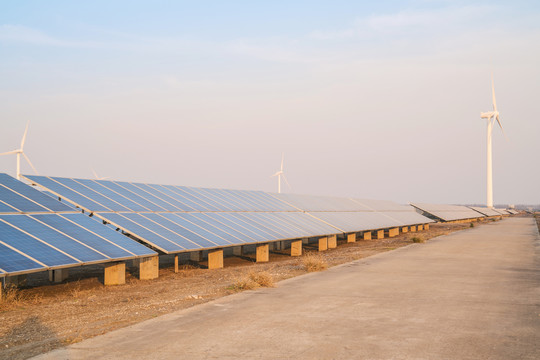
column 39, row 318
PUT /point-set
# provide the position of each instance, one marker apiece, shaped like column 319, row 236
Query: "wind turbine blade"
column 32, row 165
column 286, row 181
column 493, row 93
column 24, row 135
column 9, row 152
column 500, row 125
column 95, row 174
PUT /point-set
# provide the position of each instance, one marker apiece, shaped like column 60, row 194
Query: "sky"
column 374, row 100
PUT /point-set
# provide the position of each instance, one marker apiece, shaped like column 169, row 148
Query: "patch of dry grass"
column 254, row 280
column 418, row 240
column 314, row 262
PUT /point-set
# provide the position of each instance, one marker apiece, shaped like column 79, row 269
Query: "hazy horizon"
column 379, row 100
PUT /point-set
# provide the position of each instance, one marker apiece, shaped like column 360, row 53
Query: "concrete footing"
column 262, row 253
column 393, row 232
column 405, row 229
column 413, row 228
column 115, row 274
column 215, row 259
column 148, row 267
column 420, row 227
column 296, row 248
column 366, row 235
column 380, row 234
column 323, row 244
column 351, row 238
column 426, row 226
column 332, row 241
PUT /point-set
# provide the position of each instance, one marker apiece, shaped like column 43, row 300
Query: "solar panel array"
column 486, row 211
column 40, row 233
column 174, row 219
column 447, row 212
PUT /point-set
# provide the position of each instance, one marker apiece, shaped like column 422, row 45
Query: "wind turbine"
column 20, row 152
column 281, row 174
column 491, row 116
column 99, row 177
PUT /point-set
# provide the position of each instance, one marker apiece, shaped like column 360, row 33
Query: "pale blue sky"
column 374, row 99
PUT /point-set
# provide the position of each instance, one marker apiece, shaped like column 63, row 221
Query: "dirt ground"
column 38, row 318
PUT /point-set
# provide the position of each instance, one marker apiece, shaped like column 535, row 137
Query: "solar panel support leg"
column 380, row 234
column 413, row 228
column 351, row 238
column 149, row 268
column 405, row 229
column 238, row 250
column 332, row 241
column 176, row 263
column 115, row 274
column 215, row 259
column 262, row 253
column 195, row 256
column 323, row 244
column 420, row 227
column 296, row 248
column 367, row 235
column 426, row 226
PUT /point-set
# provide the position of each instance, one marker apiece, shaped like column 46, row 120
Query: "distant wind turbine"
column 98, row 177
column 20, row 152
column 281, row 174
column 491, row 116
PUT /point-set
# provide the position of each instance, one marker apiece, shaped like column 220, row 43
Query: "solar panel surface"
column 448, row 212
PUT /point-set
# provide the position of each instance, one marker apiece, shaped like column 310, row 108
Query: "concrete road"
column 474, row 294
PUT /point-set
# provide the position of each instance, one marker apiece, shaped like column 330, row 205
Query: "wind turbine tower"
column 491, row 116
column 281, row 174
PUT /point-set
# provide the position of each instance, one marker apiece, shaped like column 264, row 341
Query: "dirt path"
column 41, row 318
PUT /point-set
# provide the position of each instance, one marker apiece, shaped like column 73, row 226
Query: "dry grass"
column 254, row 280
column 314, row 262
column 418, row 240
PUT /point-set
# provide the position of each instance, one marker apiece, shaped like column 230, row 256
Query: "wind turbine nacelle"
column 487, row 115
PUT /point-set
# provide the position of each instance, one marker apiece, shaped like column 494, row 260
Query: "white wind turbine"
column 491, row 116
column 281, row 174
column 20, row 152
column 99, row 177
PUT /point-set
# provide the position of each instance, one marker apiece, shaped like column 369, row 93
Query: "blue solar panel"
column 31, row 246
column 172, row 192
column 5, row 208
column 12, row 262
column 95, row 226
column 211, row 226
column 198, row 198
column 86, row 237
column 220, row 224
column 207, row 232
column 54, row 238
column 67, row 193
column 275, row 233
column 141, row 232
column 91, row 194
column 19, row 202
column 118, row 188
column 100, row 188
column 225, row 204
column 33, row 194
column 196, row 239
column 158, row 201
column 166, row 197
column 243, row 227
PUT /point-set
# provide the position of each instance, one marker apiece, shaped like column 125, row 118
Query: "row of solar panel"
column 175, row 232
column 118, row 196
column 457, row 212
column 43, row 241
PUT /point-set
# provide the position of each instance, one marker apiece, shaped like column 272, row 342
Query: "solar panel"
column 485, row 211
column 447, row 212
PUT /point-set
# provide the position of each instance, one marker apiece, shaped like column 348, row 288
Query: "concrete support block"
column 149, row 268
column 367, row 235
column 351, row 238
column 426, row 226
column 195, row 256
column 323, row 244
column 332, row 241
column 380, row 234
column 262, row 253
column 215, row 259
column 58, row 275
column 393, row 232
column 176, row 260
column 238, row 250
column 405, row 229
column 296, row 248
column 413, row 228
column 115, row 274
column 420, row 227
